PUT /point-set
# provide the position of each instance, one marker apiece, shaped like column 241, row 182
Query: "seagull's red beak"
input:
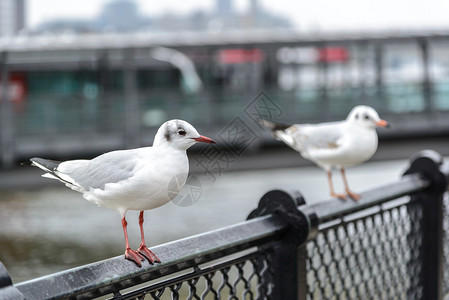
column 204, row 139
column 382, row 123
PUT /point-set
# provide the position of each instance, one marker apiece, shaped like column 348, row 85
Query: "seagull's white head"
column 179, row 134
column 366, row 116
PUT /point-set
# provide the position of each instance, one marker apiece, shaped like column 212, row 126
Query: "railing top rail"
column 113, row 273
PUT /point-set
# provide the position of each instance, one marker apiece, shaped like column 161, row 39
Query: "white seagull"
column 136, row 179
column 334, row 144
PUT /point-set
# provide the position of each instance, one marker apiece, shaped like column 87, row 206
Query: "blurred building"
column 125, row 16
column 113, row 89
column 12, row 17
column 120, row 15
column 78, row 94
column 116, row 16
column 224, row 7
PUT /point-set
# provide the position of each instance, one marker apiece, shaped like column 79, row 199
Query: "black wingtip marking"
column 274, row 126
column 50, row 166
column 47, row 163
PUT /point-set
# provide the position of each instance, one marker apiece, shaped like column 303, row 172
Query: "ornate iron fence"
column 393, row 244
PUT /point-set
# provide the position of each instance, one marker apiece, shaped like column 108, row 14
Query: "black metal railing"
column 392, row 244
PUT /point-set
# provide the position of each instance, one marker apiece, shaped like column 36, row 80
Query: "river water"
column 46, row 230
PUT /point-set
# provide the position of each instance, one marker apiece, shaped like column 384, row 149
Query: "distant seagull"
column 334, row 144
column 136, row 179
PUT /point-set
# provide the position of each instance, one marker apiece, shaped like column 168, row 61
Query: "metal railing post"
column 132, row 116
column 6, row 118
column 289, row 256
column 380, row 80
column 428, row 163
column 426, row 80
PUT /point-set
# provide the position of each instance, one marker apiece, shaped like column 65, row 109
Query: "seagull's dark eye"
column 181, row 132
column 366, row 117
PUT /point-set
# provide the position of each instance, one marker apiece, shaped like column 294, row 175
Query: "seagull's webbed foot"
column 148, row 254
column 339, row 196
column 134, row 256
column 354, row 196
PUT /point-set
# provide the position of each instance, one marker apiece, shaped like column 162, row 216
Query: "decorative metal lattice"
column 247, row 277
column 371, row 257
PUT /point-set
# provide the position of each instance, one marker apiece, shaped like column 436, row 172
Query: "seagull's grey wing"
column 110, row 167
column 319, row 136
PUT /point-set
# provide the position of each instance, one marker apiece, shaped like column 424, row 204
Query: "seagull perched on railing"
column 136, row 179
column 334, row 144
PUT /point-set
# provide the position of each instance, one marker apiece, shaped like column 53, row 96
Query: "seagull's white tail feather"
column 285, row 137
column 281, row 132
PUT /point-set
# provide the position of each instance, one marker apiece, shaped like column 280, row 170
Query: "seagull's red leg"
column 354, row 196
column 331, row 187
column 129, row 253
column 143, row 248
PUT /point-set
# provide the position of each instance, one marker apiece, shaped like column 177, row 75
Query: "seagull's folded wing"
column 309, row 137
column 111, row 167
